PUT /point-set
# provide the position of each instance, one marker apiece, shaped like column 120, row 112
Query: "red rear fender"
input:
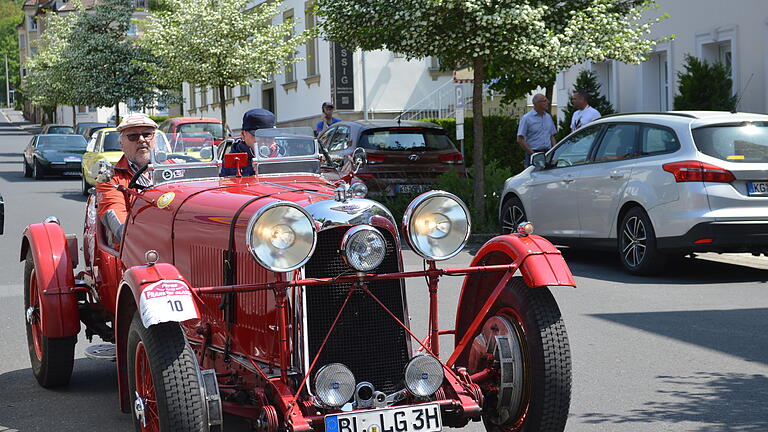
column 55, row 278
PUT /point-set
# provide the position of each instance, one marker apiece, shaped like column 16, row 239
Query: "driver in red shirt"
column 137, row 137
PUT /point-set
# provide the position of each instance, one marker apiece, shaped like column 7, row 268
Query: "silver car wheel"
column 512, row 215
column 633, row 241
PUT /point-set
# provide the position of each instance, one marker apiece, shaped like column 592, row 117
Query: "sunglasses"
column 133, row 137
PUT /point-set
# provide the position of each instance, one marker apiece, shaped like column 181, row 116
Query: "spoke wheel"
column 163, row 380
column 637, row 244
column 525, row 346
column 51, row 359
column 512, row 214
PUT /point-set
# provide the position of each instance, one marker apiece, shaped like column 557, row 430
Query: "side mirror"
column 105, row 171
column 539, row 160
column 359, row 159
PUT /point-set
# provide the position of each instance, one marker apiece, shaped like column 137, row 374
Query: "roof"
column 393, row 123
column 693, row 118
column 178, row 120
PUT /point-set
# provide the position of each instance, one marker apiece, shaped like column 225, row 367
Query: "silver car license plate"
column 415, row 418
column 757, row 188
column 413, row 188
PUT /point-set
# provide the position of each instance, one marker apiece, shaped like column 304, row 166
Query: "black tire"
column 544, row 377
column 27, row 169
column 52, row 359
column 512, row 213
column 174, row 373
column 84, row 186
column 637, row 244
column 38, row 172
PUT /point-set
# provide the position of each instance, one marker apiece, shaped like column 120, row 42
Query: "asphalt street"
column 683, row 351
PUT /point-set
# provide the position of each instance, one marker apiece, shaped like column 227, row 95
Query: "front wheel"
column 52, row 359
column 84, row 186
column 163, row 380
column 637, row 244
column 512, row 214
column 27, row 169
column 37, row 170
column 524, row 345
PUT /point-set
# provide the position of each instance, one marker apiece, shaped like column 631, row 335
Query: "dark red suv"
column 403, row 157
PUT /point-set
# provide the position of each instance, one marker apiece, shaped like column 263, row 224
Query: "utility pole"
column 7, row 89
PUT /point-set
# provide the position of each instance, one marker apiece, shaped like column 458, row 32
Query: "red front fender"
column 129, row 292
column 55, row 279
column 539, row 262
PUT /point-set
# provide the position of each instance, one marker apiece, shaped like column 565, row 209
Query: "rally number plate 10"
column 414, row 418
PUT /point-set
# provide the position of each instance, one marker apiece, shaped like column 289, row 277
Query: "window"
column 32, row 23
column 618, row 142
column 227, row 93
column 575, row 150
column 290, row 68
column 192, row 97
column 655, row 140
column 81, row 109
column 434, row 63
column 741, row 142
column 406, row 140
column 23, row 43
column 340, row 140
column 23, row 72
column 203, row 96
column 215, row 98
column 92, row 109
column 323, row 138
column 309, row 23
column 245, row 90
column 141, row 3
column 268, row 99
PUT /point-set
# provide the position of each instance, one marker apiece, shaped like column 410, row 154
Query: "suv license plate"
column 757, row 188
column 412, row 188
column 415, row 418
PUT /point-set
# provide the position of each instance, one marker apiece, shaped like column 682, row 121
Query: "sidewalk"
column 17, row 119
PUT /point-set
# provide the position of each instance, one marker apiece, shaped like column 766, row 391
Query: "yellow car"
column 105, row 145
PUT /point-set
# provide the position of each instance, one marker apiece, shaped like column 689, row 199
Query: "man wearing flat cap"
column 137, row 137
column 253, row 120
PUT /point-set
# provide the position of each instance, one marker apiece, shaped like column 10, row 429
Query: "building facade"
column 734, row 33
column 373, row 84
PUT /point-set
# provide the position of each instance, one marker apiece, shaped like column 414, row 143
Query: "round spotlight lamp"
column 358, row 190
column 437, row 225
column 423, row 375
column 281, row 236
column 363, row 248
column 334, row 384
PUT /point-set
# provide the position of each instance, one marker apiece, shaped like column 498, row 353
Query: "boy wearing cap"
column 137, row 137
column 327, row 119
column 253, row 120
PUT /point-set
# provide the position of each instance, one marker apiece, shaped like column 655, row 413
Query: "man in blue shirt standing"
column 536, row 132
column 328, row 118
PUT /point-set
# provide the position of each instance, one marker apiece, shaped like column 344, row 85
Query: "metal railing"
column 439, row 103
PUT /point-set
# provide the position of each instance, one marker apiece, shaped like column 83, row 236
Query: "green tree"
column 477, row 33
column 11, row 15
column 586, row 81
column 704, row 86
column 220, row 43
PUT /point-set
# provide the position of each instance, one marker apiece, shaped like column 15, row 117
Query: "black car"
column 90, row 130
column 59, row 154
column 83, row 128
column 57, row 129
column 403, row 157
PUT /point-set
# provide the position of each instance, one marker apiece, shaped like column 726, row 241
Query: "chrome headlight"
column 363, row 248
column 281, row 236
column 358, row 190
column 423, row 375
column 334, row 384
column 436, row 225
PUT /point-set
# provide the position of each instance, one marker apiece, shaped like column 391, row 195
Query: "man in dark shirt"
column 253, row 120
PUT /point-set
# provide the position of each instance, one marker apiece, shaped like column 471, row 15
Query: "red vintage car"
column 280, row 298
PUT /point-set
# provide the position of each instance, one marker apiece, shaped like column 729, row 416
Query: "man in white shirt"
column 584, row 113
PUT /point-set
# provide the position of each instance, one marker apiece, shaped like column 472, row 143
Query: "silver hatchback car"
column 650, row 185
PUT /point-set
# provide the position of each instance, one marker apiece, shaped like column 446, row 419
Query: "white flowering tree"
column 551, row 34
column 220, row 43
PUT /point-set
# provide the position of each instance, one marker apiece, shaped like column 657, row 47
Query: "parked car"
column 403, row 157
column 55, row 154
column 91, row 130
column 84, row 127
column 192, row 126
column 280, row 298
column 650, row 186
column 57, row 129
column 104, row 145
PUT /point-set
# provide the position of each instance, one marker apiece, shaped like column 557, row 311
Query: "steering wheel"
column 272, row 150
column 133, row 183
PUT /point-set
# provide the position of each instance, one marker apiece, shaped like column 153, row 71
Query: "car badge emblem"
column 167, row 175
column 352, row 208
column 165, row 200
column 413, row 157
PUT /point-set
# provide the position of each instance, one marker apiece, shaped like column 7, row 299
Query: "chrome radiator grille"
column 366, row 339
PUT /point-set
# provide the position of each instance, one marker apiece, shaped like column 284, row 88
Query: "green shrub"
column 160, row 119
column 705, row 87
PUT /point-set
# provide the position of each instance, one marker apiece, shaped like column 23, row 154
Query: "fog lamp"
column 363, row 248
column 334, row 384
column 436, row 225
column 423, row 375
column 281, row 236
column 525, row 228
column 358, row 190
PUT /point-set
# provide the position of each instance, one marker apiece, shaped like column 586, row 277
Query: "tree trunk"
column 477, row 140
column 223, row 109
column 74, row 116
column 117, row 113
column 549, row 91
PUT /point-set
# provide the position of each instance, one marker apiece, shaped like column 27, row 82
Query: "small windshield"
column 213, row 129
column 743, row 142
column 406, row 139
column 61, row 130
column 284, row 143
column 73, row 142
column 112, row 142
column 186, row 147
